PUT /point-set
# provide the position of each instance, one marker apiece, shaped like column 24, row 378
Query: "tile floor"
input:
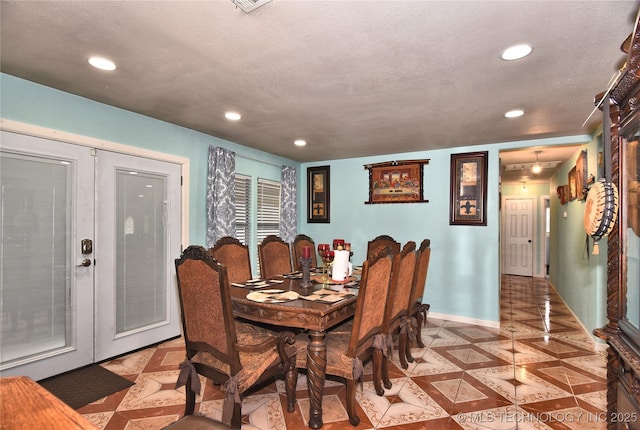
column 539, row 370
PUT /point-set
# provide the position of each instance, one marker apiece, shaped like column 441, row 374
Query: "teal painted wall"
column 464, row 273
column 579, row 276
column 27, row 102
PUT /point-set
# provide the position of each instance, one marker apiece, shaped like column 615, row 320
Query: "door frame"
column 62, row 136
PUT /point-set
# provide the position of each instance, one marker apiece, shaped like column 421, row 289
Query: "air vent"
column 249, row 5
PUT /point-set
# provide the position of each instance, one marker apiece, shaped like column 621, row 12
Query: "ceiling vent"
column 249, row 5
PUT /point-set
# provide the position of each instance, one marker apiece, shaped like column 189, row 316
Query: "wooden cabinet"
column 622, row 332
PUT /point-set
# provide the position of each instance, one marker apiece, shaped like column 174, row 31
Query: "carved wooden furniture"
column 274, row 256
column 379, row 243
column 417, row 310
column 235, row 256
column 316, row 317
column 25, row 404
column 229, row 352
column 622, row 332
column 299, row 242
column 346, row 351
column 396, row 317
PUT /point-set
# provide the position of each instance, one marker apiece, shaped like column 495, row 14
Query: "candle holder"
column 306, row 272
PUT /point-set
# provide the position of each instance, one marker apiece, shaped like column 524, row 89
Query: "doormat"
column 87, row 384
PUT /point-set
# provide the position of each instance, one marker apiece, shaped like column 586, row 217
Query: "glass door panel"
column 44, row 293
column 138, row 239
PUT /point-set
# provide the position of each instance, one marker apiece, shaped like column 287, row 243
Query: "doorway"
column 88, row 241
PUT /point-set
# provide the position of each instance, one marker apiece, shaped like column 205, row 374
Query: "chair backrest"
column 205, row 303
column 300, row 242
column 376, row 245
column 235, row 256
column 420, row 278
column 374, row 289
column 274, row 255
column 401, row 285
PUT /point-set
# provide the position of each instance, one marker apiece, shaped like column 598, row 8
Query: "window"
column 268, row 216
column 243, row 209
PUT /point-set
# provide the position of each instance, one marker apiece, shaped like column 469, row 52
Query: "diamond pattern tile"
column 538, row 370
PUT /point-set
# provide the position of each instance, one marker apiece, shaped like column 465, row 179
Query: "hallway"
column 538, row 370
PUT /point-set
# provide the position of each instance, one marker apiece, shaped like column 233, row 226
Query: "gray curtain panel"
column 288, row 226
column 221, row 207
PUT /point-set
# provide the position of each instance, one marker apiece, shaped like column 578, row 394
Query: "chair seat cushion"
column 253, row 364
column 338, row 362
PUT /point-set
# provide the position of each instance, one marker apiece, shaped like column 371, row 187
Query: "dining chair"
column 396, row 314
column 417, row 310
column 347, row 350
column 380, row 242
column 274, row 256
column 235, row 256
column 300, row 242
column 237, row 354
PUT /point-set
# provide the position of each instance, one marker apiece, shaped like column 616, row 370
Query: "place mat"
column 272, row 296
column 257, row 283
column 351, row 281
column 328, row 296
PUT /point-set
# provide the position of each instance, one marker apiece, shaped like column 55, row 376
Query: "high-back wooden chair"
column 396, row 314
column 379, row 243
column 274, row 255
column 300, row 242
column 347, row 350
column 235, row 256
column 236, row 354
column 417, row 310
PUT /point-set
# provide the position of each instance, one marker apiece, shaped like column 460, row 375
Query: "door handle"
column 85, row 263
column 529, row 240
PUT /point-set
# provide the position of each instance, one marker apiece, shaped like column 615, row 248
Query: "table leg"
column 316, row 368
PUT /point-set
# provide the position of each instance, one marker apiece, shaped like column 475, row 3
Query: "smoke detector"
column 249, row 5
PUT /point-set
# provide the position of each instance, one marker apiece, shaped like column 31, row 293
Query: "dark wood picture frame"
column 396, row 182
column 318, row 194
column 581, row 175
column 468, row 198
column 573, row 184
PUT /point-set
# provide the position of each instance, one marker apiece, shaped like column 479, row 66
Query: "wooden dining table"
column 25, row 404
column 313, row 316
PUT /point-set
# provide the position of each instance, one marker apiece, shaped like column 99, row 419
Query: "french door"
column 88, row 239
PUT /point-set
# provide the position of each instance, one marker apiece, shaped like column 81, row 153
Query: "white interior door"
column 518, row 232
column 46, row 294
column 137, row 241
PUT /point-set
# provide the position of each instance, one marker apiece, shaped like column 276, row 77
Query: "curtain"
column 221, row 210
column 288, row 225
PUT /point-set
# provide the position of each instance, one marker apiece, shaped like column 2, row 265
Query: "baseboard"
column 465, row 320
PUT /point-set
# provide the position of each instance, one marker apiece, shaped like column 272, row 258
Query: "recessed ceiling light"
column 514, row 113
column 233, row 116
column 300, row 142
column 102, row 63
column 516, row 52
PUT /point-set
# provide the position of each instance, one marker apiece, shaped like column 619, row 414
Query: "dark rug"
column 87, row 384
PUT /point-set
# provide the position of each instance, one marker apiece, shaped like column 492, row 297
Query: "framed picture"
column 318, row 187
column 573, row 190
column 396, row 182
column 581, row 176
column 468, row 202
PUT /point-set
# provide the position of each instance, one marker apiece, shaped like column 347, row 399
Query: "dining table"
column 317, row 308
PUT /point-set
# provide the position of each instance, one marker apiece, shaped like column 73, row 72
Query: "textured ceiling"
column 353, row 78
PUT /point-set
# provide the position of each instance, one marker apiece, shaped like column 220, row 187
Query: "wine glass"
column 327, row 260
column 322, row 248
